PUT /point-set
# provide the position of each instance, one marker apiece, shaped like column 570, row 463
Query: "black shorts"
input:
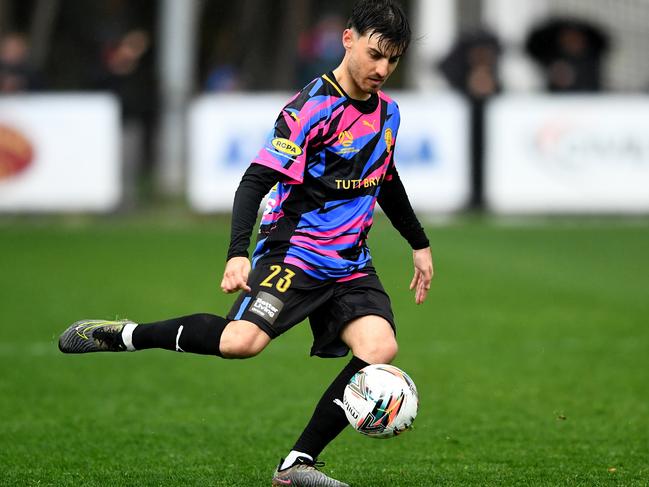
column 283, row 295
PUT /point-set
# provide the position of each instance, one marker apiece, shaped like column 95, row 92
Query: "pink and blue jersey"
column 334, row 153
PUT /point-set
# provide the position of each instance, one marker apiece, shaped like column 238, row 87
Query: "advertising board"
column 59, row 153
column 568, row 154
column 227, row 131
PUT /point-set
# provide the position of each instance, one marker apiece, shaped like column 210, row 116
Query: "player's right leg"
column 267, row 310
column 202, row 333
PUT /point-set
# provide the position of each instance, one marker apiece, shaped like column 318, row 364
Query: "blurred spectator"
column 126, row 70
column 571, row 53
column 224, row 73
column 224, row 77
column 320, row 48
column 471, row 68
column 16, row 74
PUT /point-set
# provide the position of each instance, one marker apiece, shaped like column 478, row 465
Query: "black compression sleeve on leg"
column 328, row 419
column 198, row 333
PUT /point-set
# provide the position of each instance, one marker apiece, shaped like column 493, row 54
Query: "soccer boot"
column 304, row 473
column 93, row 336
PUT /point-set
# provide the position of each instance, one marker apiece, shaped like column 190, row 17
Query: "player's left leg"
column 371, row 340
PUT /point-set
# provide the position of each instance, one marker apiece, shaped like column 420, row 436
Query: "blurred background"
column 125, row 127
column 509, row 106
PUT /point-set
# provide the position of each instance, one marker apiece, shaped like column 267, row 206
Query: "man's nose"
column 382, row 67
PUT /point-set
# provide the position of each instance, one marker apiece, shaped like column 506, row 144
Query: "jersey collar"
column 363, row 106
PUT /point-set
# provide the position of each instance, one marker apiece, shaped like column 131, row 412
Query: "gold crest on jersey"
column 346, row 138
column 388, row 139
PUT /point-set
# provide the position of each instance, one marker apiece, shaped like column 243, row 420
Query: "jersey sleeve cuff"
column 293, row 175
column 237, row 253
column 420, row 244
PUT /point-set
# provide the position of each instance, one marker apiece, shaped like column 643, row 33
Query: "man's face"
column 370, row 62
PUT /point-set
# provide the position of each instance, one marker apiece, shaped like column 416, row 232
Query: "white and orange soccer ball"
column 381, row 401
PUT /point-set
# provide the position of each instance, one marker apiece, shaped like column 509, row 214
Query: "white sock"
column 291, row 457
column 127, row 336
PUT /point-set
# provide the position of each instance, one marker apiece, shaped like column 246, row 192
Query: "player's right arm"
column 254, row 185
column 235, row 276
column 282, row 158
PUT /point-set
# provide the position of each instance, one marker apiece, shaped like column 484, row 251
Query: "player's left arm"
column 396, row 205
column 423, row 260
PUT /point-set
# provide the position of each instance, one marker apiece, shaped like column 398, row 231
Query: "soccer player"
column 327, row 162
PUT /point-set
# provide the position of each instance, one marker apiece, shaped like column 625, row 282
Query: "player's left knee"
column 372, row 339
column 377, row 352
column 387, row 352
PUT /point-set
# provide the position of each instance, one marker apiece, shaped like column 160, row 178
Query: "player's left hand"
column 423, row 261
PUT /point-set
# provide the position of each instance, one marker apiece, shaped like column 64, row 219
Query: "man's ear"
column 348, row 39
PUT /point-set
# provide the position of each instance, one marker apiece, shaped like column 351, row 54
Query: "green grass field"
column 530, row 357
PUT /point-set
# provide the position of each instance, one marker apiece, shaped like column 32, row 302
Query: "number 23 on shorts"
column 282, row 283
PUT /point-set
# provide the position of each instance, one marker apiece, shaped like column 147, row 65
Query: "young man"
column 328, row 160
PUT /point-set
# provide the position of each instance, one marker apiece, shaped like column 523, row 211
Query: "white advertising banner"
column 568, row 154
column 59, row 153
column 432, row 151
column 227, row 131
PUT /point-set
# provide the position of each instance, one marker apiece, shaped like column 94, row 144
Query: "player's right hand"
column 235, row 276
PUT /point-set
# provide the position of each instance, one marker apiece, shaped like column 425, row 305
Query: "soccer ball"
column 380, row 401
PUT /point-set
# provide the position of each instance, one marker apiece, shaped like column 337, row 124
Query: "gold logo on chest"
column 345, row 138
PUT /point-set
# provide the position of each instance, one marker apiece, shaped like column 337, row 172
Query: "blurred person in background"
column 16, row 74
column 223, row 78
column 471, row 67
column 125, row 69
column 571, row 53
column 327, row 162
column 319, row 47
column 224, row 73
